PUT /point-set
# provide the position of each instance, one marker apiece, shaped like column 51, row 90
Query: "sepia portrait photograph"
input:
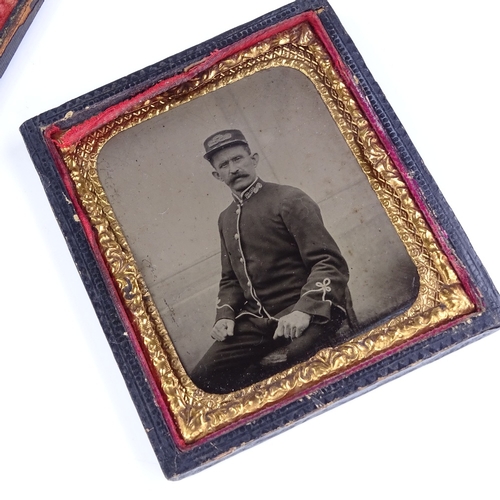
column 257, row 233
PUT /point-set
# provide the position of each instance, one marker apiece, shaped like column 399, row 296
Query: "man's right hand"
column 222, row 329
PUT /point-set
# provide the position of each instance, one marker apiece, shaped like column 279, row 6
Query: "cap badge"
column 217, row 139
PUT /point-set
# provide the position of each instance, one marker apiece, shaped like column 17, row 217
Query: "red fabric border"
column 6, row 8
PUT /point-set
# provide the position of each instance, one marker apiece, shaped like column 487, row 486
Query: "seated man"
column 283, row 277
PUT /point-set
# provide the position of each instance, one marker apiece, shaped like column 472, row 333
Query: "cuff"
column 320, row 311
column 224, row 311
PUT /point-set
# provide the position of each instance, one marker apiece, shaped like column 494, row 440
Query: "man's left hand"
column 292, row 325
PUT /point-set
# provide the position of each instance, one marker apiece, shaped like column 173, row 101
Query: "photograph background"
column 167, row 202
column 68, row 428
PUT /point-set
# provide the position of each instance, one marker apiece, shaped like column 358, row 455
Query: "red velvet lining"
column 78, row 132
column 6, row 8
column 56, row 141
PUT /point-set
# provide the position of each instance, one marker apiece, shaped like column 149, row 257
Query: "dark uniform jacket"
column 278, row 257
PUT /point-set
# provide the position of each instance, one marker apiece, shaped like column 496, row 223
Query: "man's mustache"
column 238, row 175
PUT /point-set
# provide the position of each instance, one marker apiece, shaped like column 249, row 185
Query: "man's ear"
column 216, row 175
column 255, row 158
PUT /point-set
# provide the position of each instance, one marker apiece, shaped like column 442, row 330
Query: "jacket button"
column 241, row 260
column 236, row 236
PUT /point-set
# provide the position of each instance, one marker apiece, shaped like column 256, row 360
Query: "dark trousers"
column 235, row 362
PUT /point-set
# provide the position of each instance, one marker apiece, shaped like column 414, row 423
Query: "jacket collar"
column 250, row 191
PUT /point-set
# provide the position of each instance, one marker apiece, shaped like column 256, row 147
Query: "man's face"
column 235, row 166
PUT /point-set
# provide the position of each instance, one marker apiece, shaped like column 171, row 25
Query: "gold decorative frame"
column 441, row 299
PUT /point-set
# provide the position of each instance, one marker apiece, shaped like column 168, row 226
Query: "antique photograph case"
column 337, row 219
column 15, row 19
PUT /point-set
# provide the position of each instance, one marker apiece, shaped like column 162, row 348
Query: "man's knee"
column 314, row 338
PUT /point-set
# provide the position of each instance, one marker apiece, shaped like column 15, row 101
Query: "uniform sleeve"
column 230, row 298
column 324, row 290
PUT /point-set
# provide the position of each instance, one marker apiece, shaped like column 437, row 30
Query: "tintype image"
column 257, row 233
